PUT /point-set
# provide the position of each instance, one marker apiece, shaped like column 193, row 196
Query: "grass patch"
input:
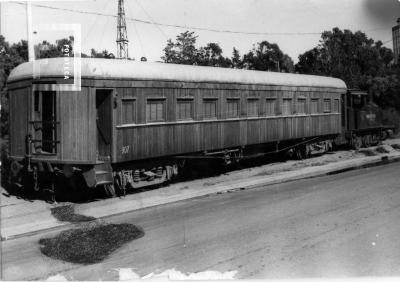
column 67, row 213
column 368, row 152
column 90, row 244
column 396, row 146
column 382, row 150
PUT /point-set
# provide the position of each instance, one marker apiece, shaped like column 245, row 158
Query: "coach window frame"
column 274, row 106
column 327, row 102
column 181, row 100
column 228, row 101
column 152, row 100
column 303, row 100
column 214, row 101
column 317, row 109
column 124, row 101
column 336, row 105
column 256, row 101
column 284, row 113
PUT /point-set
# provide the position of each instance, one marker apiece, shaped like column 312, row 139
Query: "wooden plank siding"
column 197, row 134
column 78, row 125
column 76, row 112
column 19, row 115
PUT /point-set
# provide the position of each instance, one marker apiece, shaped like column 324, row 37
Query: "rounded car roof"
column 125, row 69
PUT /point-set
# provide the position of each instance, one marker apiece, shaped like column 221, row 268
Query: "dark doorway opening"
column 103, row 122
column 49, row 119
column 45, row 123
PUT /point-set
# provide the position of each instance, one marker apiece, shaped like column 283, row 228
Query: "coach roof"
column 123, row 69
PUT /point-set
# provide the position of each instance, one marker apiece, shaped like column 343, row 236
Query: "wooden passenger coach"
column 130, row 113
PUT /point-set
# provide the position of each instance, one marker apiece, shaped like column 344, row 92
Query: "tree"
column 65, row 46
column 358, row 60
column 103, row 54
column 346, row 55
column 385, row 89
column 62, row 48
column 10, row 57
column 211, row 55
column 237, row 62
column 182, row 51
column 46, row 49
column 267, row 56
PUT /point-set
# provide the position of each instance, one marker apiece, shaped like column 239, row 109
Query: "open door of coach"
column 104, row 122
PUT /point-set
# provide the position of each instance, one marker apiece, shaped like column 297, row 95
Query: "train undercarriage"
column 77, row 181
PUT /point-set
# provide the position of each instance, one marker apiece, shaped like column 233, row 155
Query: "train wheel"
column 374, row 139
column 109, row 189
column 366, row 140
column 308, row 151
column 35, row 183
column 301, row 152
column 356, row 142
column 120, row 190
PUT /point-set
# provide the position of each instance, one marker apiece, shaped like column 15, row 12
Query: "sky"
column 295, row 25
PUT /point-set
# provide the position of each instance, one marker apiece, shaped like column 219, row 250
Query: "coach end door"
column 44, row 123
column 104, row 122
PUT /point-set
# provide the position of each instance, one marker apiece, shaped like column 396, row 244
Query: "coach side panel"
column 155, row 122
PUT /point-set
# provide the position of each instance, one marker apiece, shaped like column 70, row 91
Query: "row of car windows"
column 156, row 108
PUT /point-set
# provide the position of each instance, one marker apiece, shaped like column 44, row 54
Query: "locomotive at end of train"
column 134, row 124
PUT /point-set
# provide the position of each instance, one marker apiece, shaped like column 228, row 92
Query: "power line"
column 387, row 41
column 182, row 26
column 151, row 19
column 137, row 33
column 172, row 25
column 88, row 32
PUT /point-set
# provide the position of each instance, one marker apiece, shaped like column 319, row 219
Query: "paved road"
column 343, row 225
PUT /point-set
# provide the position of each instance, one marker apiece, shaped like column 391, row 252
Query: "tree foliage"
column 103, row 54
column 10, row 57
column 211, row 55
column 267, row 56
column 358, row 60
column 183, row 50
column 237, row 61
column 62, row 47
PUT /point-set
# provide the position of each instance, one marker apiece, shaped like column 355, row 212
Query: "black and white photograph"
column 200, row 140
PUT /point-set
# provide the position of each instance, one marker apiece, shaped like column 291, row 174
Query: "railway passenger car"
column 133, row 123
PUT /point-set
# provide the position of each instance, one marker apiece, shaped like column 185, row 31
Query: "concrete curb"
column 162, row 196
column 146, row 199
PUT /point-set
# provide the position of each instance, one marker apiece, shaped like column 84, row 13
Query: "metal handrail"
column 44, row 122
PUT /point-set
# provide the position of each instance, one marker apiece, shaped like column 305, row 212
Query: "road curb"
column 141, row 201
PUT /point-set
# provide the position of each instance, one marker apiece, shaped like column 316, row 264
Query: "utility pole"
column 31, row 52
column 122, row 37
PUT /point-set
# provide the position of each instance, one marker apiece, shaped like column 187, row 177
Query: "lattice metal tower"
column 122, row 37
